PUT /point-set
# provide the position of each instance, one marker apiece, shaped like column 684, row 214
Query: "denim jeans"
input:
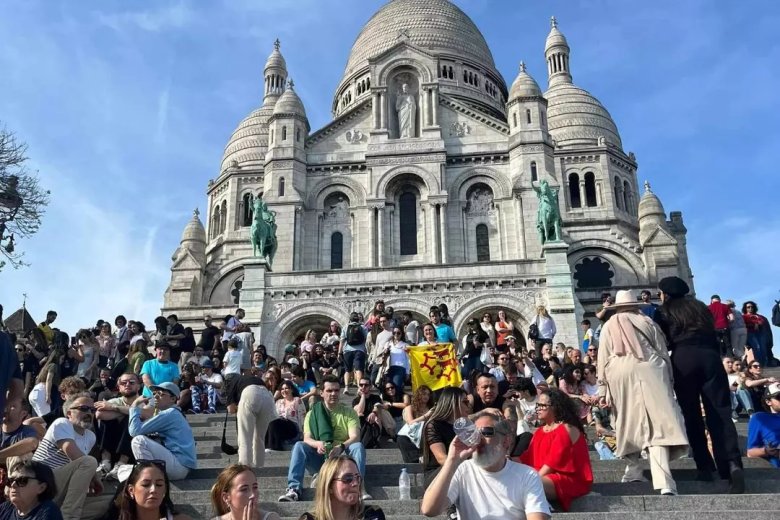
column 305, row 457
column 741, row 397
column 211, row 394
column 398, row 376
column 754, row 342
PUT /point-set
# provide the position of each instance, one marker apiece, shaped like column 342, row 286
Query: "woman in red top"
column 558, row 450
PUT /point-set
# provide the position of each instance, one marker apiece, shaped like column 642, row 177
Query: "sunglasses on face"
column 151, row 462
column 364, row 384
column 487, row 431
column 755, row 366
column 349, row 478
column 83, row 408
column 161, row 393
column 542, row 406
column 388, row 388
column 19, row 481
column 127, row 382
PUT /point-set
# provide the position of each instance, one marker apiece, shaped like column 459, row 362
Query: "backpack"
column 355, row 335
column 776, row 314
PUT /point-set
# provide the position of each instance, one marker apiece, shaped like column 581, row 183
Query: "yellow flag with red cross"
column 435, row 366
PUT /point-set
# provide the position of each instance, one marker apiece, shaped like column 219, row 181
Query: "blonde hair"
column 223, row 484
column 542, row 311
column 322, row 495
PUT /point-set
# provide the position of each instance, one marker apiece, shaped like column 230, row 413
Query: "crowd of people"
column 657, row 381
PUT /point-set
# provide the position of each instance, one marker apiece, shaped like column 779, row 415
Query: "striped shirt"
column 50, row 454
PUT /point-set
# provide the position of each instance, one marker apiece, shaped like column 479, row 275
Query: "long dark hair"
column 449, row 401
column 124, row 507
column 564, row 408
column 687, row 315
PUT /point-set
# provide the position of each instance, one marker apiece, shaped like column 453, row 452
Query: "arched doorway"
column 295, row 332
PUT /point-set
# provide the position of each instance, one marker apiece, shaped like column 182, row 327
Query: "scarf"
column 623, row 328
column 319, row 423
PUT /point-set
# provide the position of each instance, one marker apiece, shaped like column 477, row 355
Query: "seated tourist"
column 18, row 441
column 375, row 420
column 145, row 494
column 30, row 490
column 338, row 493
column 236, row 496
column 159, row 370
column 764, row 429
column 104, row 387
column 306, row 388
column 65, row 449
column 520, row 410
column 558, row 449
column 177, row 443
column 394, row 400
column 68, row 387
column 330, row 429
column 486, row 394
column 414, row 417
column 740, row 397
column 481, row 483
column 207, row 385
column 288, row 426
column 328, row 365
column 755, row 382
column 113, row 419
column 438, row 431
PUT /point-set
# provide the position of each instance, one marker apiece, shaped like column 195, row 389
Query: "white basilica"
column 420, row 191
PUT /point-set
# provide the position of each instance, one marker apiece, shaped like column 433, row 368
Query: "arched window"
column 223, row 224
column 574, row 191
column 272, row 136
column 514, row 118
column 626, row 196
column 590, row 190
column 528, row 115
column 281, row 187
column 407, row 212
column 534, row 173
column 298, row 134
column 618, row 197
column 465, row 76
column 452, row 73
column 336, row 251
column 483, row 243
column 284, row 133
column 215, row 222
column 248, row 209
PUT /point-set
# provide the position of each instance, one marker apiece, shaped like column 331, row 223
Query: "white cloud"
column 174, row 16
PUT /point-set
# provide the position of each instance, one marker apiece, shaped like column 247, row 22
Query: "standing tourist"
column 635, row 379
column 759, row 337
column 737, row 331
column 504, row 327
column 545, row 326
column 487, row 325
column 398, row 360
column 722, row 316
column 251, row 399
column 699, row 378
column 353, row 349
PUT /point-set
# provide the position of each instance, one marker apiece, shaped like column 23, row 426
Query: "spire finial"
column 522, row 66
column 196, row 213
column 647, row 187
column 553, row 22
column 277, row 44
column 290, row 83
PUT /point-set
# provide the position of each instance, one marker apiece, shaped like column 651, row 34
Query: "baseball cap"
column 207, row 363
column 293, row 361
column 772, row 390
column 168, row 387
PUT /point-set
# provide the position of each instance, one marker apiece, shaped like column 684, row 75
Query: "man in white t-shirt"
column 208, row 383
column 65, row 449
column 481, row 483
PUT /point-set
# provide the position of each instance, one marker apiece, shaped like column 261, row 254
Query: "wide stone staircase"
column 610, row 498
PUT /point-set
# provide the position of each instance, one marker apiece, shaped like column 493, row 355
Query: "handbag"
column 413, row 432
column 485, row 357
column 533, row 331
column 227, row 449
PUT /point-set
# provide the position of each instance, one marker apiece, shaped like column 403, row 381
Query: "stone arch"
column 501, row 187
column 320, row 191
column 219, row 291
column 288, row 322
column 520, row 306
column 425, row 75
column 610, row 251
column 429, row 180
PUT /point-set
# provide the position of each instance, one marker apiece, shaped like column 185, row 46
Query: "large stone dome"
column 575, row 117
column 249, row 142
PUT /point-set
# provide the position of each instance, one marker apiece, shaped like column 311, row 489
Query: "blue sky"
column 127, row 106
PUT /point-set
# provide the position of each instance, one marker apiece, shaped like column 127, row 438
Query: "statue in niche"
column 480, row 202
column 339, row 210
column 548, row 216
column 406, row 108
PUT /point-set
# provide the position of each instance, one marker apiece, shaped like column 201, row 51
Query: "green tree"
column 23, row 200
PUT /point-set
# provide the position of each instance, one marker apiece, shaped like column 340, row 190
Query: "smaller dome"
column 289, row 102
column 556, row 37
column 524, row 85
column 275, row 60
column 194, row 230
column 650, row 205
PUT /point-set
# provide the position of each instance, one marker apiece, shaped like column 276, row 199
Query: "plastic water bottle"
column 467, row 432
column 404, row 485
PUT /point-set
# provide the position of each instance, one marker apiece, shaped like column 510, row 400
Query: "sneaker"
column 633, row 473
column 346, row 391
column 292, row 495
column 114, row 473
column 105, row 466
column 193, row 411
column 668, row 492
column 366, row 496
column 212, row 410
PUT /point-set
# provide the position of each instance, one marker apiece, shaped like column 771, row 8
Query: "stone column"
column 380, row 245
column 423, row 109
column 443, row 231
column 253, row 291
column 383, row 111
column 434, row 108
column 583, row 201
column 561, row 299
column 375, row 100
column 521, row 247
column 297, row 232
column 434, row 241
column 371, row 237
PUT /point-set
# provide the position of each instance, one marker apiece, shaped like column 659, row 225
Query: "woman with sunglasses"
column 145, row 495
column 755, row 382
column 30, row 489
column 338, row 493
column 398, row 360
column 558, row 450
column 236, row 496
column 759, row 333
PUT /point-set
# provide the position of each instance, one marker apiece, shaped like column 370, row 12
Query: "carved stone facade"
column 444, row 214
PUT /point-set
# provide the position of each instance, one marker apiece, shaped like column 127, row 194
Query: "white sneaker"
column 114, row 473
column 668, row 492
column 105, row 466
column 291, row 495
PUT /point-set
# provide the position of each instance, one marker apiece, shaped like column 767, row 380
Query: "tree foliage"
column 15, row 177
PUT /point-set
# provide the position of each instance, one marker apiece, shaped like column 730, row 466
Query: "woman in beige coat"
column 635, row 379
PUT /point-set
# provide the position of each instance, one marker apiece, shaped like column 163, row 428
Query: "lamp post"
column 10, row 202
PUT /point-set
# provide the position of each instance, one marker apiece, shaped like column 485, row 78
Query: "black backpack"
column 776, row 314
column 355, row 335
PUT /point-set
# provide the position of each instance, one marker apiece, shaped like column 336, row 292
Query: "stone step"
column 668, row 515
